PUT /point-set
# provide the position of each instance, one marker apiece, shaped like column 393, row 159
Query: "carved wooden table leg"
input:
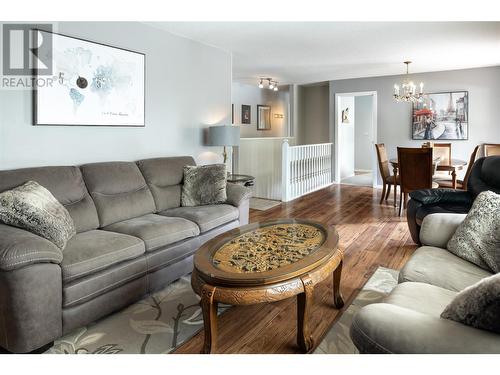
column 209, row 308
column 395, row 175
column 304, row 302
column 338, row 300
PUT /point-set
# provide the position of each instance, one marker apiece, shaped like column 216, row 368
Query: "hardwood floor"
column 371, row 235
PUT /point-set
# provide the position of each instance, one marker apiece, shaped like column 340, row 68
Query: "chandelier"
column 272, row 85
column 407, row 91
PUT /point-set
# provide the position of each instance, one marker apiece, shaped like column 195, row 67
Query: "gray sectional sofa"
column 409, row 319
column 132, row 239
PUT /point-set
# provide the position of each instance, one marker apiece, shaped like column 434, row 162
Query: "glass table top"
column 268, row 248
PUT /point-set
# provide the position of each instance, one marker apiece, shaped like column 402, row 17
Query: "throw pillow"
column 34, row 208
column 477, row 238
column 205, row 184
column 478, row 305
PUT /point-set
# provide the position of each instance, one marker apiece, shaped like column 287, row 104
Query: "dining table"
column 452, row 166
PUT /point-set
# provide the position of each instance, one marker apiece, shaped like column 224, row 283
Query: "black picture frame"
column 246, row 114
column 451, row 125
column 35, row 121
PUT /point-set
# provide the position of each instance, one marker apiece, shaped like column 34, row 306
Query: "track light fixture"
column 271, row 85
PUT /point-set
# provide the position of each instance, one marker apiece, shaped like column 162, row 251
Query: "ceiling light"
column 407, row 91
column 271, row 84
column 261, row 85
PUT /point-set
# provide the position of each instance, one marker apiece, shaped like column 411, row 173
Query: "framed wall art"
column 246, row 114
column 96, row 85
column 442, row 115
column 263, row 117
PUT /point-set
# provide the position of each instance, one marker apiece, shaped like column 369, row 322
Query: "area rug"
column 262, row 204
column 155, row 325
column 166, row 319
column 338, row 340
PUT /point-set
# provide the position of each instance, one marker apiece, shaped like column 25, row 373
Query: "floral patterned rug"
column 166, row 319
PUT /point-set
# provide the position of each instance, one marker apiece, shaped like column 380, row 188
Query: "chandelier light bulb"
column 271, row 85
column 261, row 85
column 276, row 87
column 407, row 91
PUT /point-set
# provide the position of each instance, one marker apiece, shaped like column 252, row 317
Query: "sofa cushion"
column 95, row 250
column 164, row 178
column 437, row 229
column 478, row 305
column 424, row 298
column 119, row 191
column 204, row 185
column 32, row 207
column 477, row 238
column 65, row 184
column 176, row 252
column 206, row 217
column 155, row 230
column 98, row 283
column 439, row 267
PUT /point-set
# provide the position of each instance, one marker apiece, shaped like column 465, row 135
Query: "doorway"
column 355, row 135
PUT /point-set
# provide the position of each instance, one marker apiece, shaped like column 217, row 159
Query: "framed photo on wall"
column 246, row 114
column 96, row 85
column 263, row 117
column 442, row 115
column 345, row 116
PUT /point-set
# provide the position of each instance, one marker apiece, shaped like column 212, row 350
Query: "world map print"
column 94, row 85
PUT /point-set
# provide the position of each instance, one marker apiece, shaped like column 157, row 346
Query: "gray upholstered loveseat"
column 132, row 238
column 409, row 319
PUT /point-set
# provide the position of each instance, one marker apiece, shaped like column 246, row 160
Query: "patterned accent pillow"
column 205, row 184
column 477, row 239
column 478, row 305
column 34, row 208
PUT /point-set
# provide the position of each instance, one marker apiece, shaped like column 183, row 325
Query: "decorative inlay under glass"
column 268, row 248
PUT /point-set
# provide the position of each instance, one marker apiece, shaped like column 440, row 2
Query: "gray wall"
column 252, row 96
column 313, row 112
column 188, row 88
column 394, row 119
column 363, row 133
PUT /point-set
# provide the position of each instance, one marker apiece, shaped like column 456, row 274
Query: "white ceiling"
column 304, row 52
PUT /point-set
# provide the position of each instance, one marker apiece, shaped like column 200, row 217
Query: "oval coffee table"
column 267, row 262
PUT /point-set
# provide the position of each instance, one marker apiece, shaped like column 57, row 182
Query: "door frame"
column 337, row 158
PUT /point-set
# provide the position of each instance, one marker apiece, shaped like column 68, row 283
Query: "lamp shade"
column 224, row 135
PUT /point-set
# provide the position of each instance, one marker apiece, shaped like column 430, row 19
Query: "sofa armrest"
column 19, row 248
column 435, row 196
column 437, row 229
column 237, row 194
column 386, row 328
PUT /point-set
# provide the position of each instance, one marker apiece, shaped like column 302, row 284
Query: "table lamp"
column 224, row 136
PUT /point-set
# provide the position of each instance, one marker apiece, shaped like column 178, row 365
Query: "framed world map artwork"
column 93, row 85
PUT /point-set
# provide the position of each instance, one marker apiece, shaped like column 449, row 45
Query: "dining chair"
column 385, row 172
column 416, row 169
column 461, row 184
column 443, row 152
column 491, row 149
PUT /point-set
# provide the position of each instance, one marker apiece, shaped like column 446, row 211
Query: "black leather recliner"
column 485, row 175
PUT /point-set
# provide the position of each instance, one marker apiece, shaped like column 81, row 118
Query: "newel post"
column 285, row 171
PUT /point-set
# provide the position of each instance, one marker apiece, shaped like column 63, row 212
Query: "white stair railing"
column 305, row 169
